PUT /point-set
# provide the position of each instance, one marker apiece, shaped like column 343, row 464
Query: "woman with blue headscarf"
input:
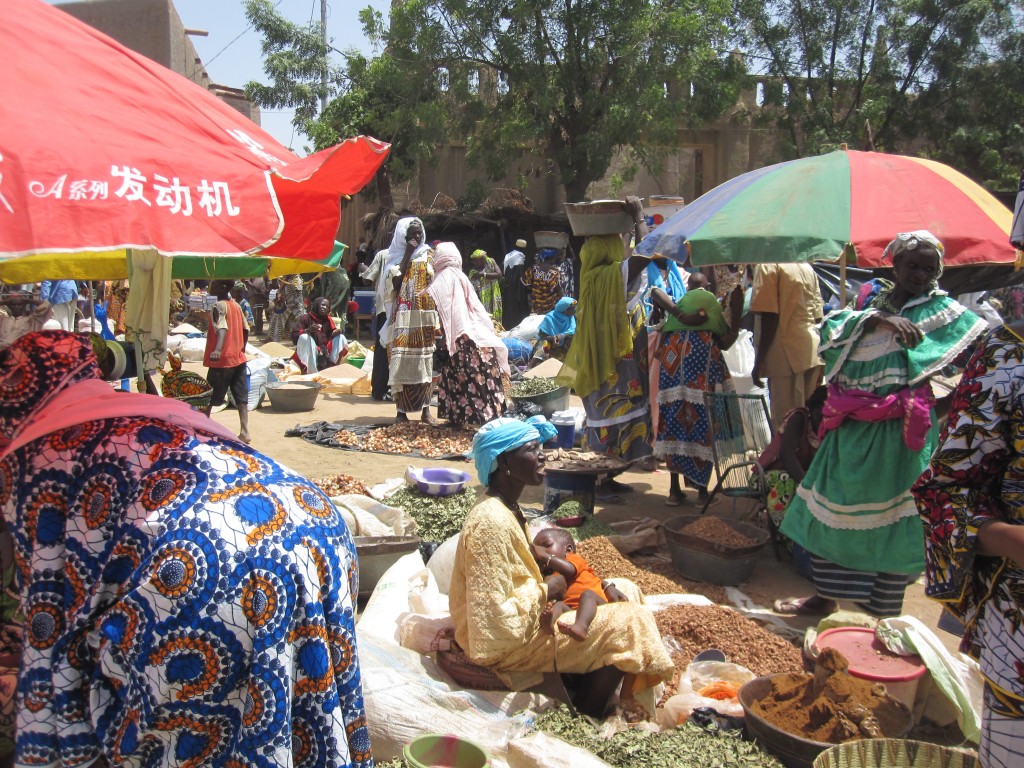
column 498, row 596
column 554, row 336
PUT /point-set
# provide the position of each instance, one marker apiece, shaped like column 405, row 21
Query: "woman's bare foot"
column 574, row 631
column 426, row 418
column 245, row 438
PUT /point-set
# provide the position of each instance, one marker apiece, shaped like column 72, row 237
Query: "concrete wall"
column 154, row 29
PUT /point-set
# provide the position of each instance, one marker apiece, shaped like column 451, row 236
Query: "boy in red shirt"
column 555, row 550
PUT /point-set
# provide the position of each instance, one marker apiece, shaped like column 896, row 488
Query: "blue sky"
column 235, row 62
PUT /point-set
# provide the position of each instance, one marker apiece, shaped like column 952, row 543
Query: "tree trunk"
column 384, row 195
column 576, row 189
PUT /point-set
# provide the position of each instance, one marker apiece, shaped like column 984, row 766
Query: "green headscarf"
column 691, row 303
column 602, row 326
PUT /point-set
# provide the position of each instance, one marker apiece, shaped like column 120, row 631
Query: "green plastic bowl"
column 355, row 361
column 434, row 750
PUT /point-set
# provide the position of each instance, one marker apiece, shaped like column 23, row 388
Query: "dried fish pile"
column 437, row 517
column 717, row 531
column 563, row 459
column 612, row 564
column 533, row 387
column 431, row 441
column 687, row 745
column 744, row 642
column 340, row 485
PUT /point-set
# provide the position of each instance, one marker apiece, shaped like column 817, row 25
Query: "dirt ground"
column 771, row 578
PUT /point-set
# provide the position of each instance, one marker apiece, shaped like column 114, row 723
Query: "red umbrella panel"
column 102, row 149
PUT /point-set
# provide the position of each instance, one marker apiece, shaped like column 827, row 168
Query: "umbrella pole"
column 842, row 280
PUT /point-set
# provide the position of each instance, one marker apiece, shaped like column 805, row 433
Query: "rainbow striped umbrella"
column 816, row 208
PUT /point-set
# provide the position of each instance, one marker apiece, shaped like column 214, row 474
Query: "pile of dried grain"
column 744, row 642
column 717, row 531
column 609, row 563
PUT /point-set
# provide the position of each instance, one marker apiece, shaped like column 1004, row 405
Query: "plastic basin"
column 293, row 396
column 439, row 481
column 705, row 560
column 433, row 750
column 355, row 362
column 870, row 660
column 602, row 217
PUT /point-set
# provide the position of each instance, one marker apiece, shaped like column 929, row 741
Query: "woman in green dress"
column 853, row 511
column 485, row 275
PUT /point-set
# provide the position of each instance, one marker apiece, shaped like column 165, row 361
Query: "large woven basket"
column 189, row 387
column 894, row 753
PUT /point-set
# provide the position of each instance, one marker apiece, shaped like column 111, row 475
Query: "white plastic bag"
column 542, row 750
column 424, row 596
column 442, row 563
column 698, row 675
column 426, row 633
column 740, row 356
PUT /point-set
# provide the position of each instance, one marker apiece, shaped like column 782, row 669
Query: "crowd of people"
column 234, row 591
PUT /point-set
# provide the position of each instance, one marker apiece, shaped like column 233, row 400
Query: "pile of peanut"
column 717, row 531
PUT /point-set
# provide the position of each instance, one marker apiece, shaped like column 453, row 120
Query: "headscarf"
column 459, row 307
column 674, row 286
column 396, row 252
column 695, row 301
column 602, row 325
column 557, row 322
column 503, row 435
column 905, row 242
column 513, row 258
column 479, row 253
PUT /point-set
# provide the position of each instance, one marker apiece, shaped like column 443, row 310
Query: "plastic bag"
column 740, row 356
column 697, row 677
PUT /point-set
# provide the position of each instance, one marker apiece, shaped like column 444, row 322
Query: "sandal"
column 798, row 606
column 675, row 501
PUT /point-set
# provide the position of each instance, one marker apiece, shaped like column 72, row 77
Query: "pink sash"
column 94, row 400
column 913, row 405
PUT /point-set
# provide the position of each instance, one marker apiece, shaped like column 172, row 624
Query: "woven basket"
column 188, row 387
column 894, row 753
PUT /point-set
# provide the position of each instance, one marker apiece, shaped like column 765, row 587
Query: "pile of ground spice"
column 831, row 705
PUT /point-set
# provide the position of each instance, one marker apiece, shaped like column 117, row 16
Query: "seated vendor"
column 556, row 332
column 319, row 343
column 498, row 595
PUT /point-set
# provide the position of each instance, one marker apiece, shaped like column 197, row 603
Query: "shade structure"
column 817, row 208
column 102, row 149
column 113, row 265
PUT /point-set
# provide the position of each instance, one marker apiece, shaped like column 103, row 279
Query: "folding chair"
column 741, row 428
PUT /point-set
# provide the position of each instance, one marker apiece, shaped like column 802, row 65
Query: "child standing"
column 555, row 551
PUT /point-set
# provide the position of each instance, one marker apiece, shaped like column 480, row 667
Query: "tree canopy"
column 896, row 75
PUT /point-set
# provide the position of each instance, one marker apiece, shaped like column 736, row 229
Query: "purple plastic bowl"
column 440, row 481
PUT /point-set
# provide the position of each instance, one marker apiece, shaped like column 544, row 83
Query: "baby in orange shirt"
column 555, row 551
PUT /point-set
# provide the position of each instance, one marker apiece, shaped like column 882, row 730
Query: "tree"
column 866, row 72
column 572, row 80
column 296, row 59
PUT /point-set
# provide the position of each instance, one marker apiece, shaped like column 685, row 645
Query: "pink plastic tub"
column 871, row 660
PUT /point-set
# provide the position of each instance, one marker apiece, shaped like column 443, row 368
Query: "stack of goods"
column 342, row 485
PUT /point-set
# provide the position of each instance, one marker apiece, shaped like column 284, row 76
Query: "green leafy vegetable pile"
column 437, row 517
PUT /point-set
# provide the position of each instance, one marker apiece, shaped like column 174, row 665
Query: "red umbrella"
column 101, row 149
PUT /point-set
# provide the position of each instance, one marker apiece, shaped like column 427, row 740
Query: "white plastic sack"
column 542, row 750
column 699, row 674
column 259, row 376
column 426, row 633
column 192, row 350
column 359, row 521
column 442, row 563
column 527, row 330
column 424, row 596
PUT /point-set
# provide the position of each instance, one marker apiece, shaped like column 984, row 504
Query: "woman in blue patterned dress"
column 691, row 364
column 188, row 601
